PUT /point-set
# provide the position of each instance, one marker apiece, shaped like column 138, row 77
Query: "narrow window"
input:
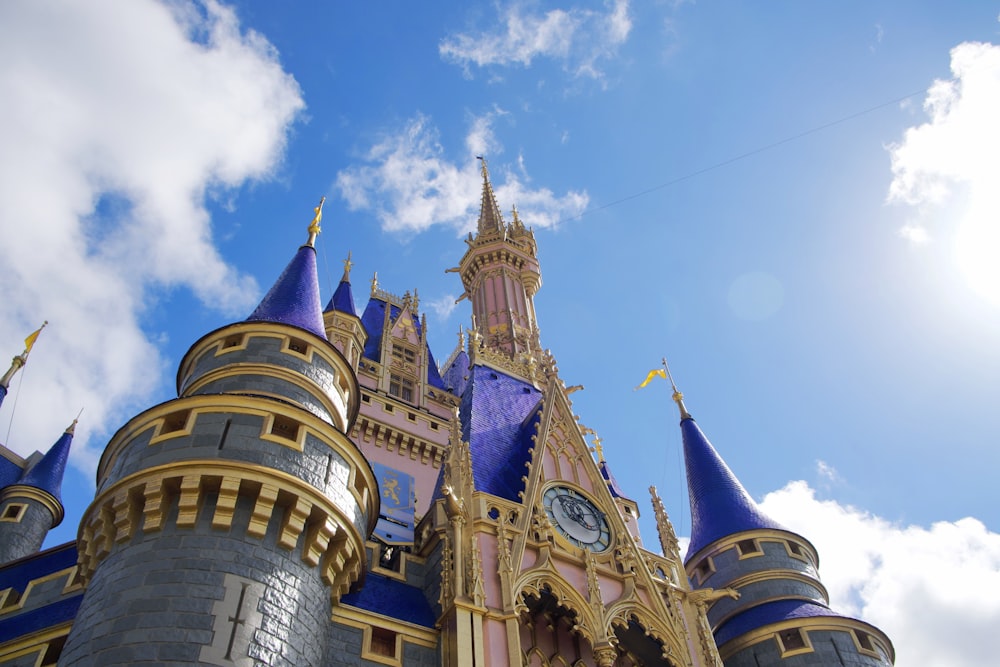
column 285, row 428
column 383, row 642
column 14, row 512
column 401, row 387
column 792, row 639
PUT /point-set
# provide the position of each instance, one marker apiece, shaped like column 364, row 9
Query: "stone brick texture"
column 151, row 600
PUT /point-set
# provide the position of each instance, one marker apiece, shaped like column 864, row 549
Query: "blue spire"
column 720, row 506
column 343, row 298
column 294, row 298
column 47, row 474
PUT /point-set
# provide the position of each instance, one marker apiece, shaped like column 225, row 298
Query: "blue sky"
column 794, row 203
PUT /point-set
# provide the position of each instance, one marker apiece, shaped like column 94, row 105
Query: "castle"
column 321, row 492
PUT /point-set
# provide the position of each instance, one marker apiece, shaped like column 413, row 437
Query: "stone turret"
column 777, row 612
column 32, row 506
column 228, row 520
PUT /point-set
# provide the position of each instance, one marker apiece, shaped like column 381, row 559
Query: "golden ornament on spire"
column 314, row 228
column 347, row 267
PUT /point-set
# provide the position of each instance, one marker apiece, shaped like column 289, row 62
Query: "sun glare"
column 977, row 250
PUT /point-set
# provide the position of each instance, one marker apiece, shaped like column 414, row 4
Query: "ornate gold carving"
column 668, row 538
column 262, row 510
column 447, row 578
column 113, row 516
column 225, row 506
column 293, row 523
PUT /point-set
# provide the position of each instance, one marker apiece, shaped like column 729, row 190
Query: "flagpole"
column 677, row 395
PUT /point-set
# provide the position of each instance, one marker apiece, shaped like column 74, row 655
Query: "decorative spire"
column 490, row 219
column 668, row 538
column 720, row 506
column 516, row 223
column 374, row 283
column 314, row 228
column 47, row 474
column 677, row 396
column 343, row 296
column 294, row 297
column 347, row 268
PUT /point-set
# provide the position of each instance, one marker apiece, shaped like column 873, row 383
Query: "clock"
column 577, row 518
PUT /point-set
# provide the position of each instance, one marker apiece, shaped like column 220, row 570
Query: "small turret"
column 33, row 505
column 340, row 319
column 781, row 615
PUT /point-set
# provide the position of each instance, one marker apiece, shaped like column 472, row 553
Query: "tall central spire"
column 490, row 219
column 501, row 275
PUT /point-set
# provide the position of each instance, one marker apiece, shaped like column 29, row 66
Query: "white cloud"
column 579, row 38
column 934, row 591
column 827, row 472
column 952, row 163
column 118, row 119
column 443, row 306
column 410, row 185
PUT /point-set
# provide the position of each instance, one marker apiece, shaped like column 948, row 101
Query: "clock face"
column 577, row 518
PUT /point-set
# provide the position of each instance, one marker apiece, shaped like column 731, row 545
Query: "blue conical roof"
column 294, row 298
column 342, row 299
column 720, row 506
column 47, row 474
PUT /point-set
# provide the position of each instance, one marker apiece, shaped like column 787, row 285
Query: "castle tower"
column 781, row 616
column 536, row 545
column 229, row 520
column 501, row 276
column 341, row 321
column 32, row 505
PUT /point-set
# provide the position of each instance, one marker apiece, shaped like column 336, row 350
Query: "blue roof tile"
column 720, row 506
column 10, row 472
column 616, row 490
column 499, row 415
column 456, row 376
column 392, row 598
column 3, row 393
column 294, row 297
column 17, row 574
column 47, row 474
column 342, row 299
column 50, row 615
column 768, row 613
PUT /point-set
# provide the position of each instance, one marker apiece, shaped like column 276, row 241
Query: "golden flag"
column 649, row 378
column 30, row 340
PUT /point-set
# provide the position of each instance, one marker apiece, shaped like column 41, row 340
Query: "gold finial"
column 461, row 336
column 677, row 395
column 314, row 229
column 485, row 171
column 598, row 448
column 347, row 268
column 374, row 282
column 20, row 360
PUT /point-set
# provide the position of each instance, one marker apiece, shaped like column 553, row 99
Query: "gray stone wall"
column 236, row 437
column 830, row 649
column 195, row 595
column 267, row 350
column 23, row 538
